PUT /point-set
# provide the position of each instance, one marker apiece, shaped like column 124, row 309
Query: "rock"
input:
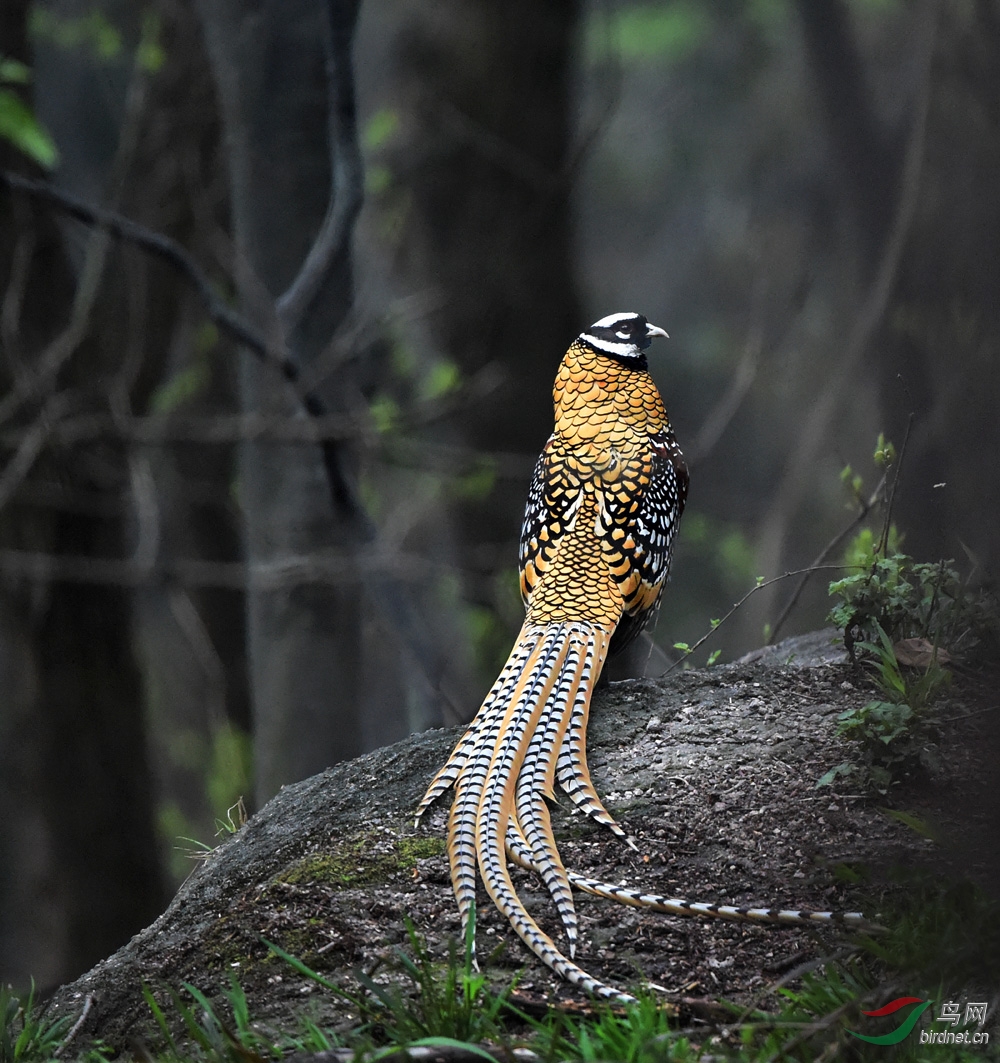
column 721, row 810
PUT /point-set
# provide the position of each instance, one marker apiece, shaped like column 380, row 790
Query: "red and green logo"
column 897, row 1035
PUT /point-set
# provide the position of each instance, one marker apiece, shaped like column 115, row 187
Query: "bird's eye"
column 625, row 330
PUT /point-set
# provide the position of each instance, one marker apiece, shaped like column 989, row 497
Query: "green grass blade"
column 451, row 1042
column 159, row 1017
column 302, row 968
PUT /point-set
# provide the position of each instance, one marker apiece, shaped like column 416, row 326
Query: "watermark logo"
column 951, row 1013
column 897, row 1035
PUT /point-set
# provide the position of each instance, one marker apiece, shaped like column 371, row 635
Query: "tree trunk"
column 475, row 221
column 79, row 868
column 935, row 352
column 939, row 356
column 304, row 641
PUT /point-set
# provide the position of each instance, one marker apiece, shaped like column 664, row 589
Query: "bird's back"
column 606, row 498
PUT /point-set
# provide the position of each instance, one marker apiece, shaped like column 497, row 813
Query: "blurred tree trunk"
column 189, row 640
column 940, row 355
column 479, row 222
column 936, row 352
column 79, row 868
column 867, row 164
column 303, row 642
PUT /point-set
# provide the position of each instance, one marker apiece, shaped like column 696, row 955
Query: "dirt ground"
column 712, row 771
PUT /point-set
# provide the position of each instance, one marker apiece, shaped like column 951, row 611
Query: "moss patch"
column 362, row 860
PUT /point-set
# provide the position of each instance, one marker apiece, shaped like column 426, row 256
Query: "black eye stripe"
column 622, row 336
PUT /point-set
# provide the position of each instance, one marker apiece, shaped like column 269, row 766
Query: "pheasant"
column 602, row 514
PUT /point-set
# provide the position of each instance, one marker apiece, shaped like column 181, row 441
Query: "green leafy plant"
column 455, row 1005
column 941, row 941
column 641, row 1033
column 895, row 604
column 890, row 729
column 210, row 1038
column 24, row 1037
column 908, row 599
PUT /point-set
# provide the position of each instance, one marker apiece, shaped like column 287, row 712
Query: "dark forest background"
column 210, row 587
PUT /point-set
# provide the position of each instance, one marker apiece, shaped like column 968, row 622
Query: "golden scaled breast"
column 597, row 397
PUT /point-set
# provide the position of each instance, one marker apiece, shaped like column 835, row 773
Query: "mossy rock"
column 701, row 768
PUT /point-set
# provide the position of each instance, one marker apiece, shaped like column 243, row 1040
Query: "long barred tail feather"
column 524, row 720
column 535, row 781
column 495, row 703
column 525, row 704
column 529, row 733
column 571, row 766
column 555, row 672
column 497, row 806
column 497, row 795
column 519, row 852
column 679, row 906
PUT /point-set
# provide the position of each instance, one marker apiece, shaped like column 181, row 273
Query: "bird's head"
column 623, row 336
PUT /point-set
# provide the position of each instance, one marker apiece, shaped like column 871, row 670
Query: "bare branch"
column 725, row 409
column 499, row 151
column 300, row 570
column 75, row 1028
column 13, row 298
column 883, row 542
column 197, row 636
column 33, row 383
column 739, row 605
column 346, row 182
column 866, row 506
column 146, row 508
column 346, row 173
column 221, row 428
column 234, row 324
column 32, row 444
column 164, row 247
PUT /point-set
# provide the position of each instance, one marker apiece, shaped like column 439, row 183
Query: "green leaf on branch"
column 885, row 452
column 20, row 127
column 14, row 72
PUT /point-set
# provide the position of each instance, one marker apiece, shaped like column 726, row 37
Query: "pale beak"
column 652, row 330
